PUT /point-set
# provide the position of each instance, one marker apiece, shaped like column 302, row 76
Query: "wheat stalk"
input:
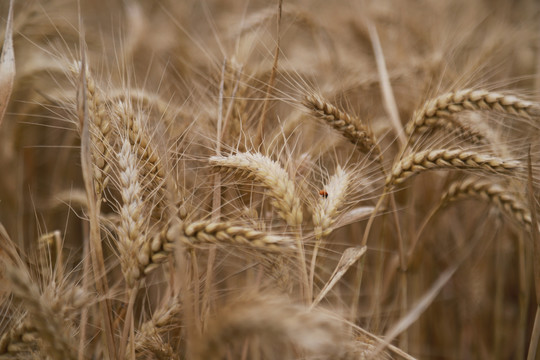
column 448, row 159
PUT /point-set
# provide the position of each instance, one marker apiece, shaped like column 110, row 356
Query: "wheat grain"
column 19, row 340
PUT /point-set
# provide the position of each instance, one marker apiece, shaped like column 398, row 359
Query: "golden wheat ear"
column 440, row 111
column 100, row 125
column 269, row 174
column 495, row 193
column 349, row 126
column 449, row 159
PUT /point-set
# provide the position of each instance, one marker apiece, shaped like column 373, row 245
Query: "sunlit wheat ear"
column 449, row 159
column 284, row 328
column 332, row 199
column 269, row 174
column 53, row 332
column 438, row 112
column 148, row 338
column 149, row 160
column 348, row 125
column 486, row 189
column 132, row 242
column 100, row 129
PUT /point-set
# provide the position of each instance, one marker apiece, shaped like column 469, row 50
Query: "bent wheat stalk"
column 208, row 232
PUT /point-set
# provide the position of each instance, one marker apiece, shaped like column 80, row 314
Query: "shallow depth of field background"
column 190, row 69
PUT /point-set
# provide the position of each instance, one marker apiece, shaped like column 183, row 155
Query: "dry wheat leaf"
column 349, row 257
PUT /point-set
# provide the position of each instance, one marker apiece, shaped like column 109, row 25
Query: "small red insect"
column 323, row 193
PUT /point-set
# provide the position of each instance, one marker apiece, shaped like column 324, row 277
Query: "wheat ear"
column 333, row 196
column 349, row 126
column 326, row 211
column 42, row 316
column 271, row 175
column 131, row 238
column 206, row 233
column 492, row 192
column 100, row 129
column 437, row 112
column 148, row 338
column 278, row 322
column 448, row 159
column 18, row 340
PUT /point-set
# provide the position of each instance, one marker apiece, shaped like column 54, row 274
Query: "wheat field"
column 269, row 179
